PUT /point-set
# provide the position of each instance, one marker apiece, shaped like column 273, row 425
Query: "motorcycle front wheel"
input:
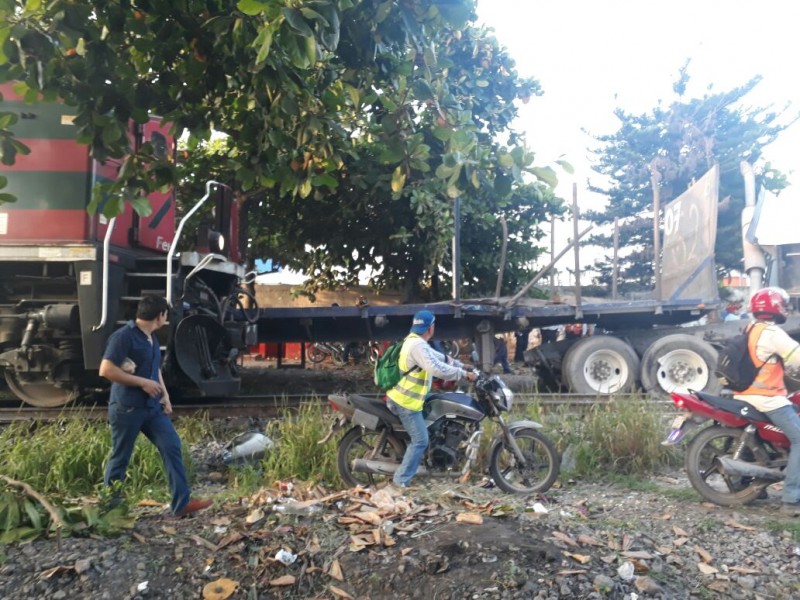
column 360, row 443
column 704, row 472
column 314, row 354
column 541, row 469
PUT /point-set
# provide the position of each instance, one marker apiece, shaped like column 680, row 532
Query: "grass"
column 67, row 458
column 616, row 438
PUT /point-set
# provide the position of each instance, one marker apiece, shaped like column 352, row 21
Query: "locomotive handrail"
column 106, row 246
column 174, row 245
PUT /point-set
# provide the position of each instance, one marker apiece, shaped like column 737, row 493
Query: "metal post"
column 655, row 179
column 615, row 264
column 457, row 250
column 578, row 311
column 552, row 254
column 503, row 252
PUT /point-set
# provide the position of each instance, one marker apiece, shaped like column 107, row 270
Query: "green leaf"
column 566, row 166
column 297, row 22
column 142, row 206
column 5, row 32
column 111, row 134
column 305, row 188
column 383, row 11
column 422, row 89
column 457, row 12
column 33, row 514
column 398, row 179
column 442, row 133
column 506, row 161
column 4, row 198
column 326, row 180
column 502, row 184
column 7, row 119
column 263, row 43
column 444, row 172
column 251, row 7
column 545, row 174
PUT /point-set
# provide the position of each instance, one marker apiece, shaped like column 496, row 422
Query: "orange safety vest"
column 769, row 380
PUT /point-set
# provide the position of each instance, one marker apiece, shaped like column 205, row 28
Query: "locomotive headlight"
column 216, row 242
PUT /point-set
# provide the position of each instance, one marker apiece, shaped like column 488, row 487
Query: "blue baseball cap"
column 422, row 320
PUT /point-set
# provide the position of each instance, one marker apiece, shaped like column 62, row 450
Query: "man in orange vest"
column 773, row 350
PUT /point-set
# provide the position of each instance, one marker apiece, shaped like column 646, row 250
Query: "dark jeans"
column 126, row 423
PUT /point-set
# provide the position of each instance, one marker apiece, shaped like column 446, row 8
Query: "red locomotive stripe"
column 43, row 225
column 52, row 155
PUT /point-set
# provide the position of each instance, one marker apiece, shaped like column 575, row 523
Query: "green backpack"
column 387, row 369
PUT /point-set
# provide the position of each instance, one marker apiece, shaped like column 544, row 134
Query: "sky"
column 591, row 57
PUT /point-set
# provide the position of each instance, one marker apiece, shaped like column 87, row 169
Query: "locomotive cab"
column 68, row 279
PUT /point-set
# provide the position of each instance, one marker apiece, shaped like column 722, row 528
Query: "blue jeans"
column 126, row 423
column 414, row 424
column 789, row 422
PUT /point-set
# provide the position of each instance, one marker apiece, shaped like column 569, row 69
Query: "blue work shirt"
column 131, row 342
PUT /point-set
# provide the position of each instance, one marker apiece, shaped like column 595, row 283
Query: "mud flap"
column 204, row 354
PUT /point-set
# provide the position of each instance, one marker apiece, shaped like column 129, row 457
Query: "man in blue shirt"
column 139, row 402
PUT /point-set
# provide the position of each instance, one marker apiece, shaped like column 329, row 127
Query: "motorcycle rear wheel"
column 541, row 471
column 359, row 443
column 703, row 470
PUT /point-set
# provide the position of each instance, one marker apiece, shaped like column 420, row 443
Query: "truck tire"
column 600, row 364
column 679, row 363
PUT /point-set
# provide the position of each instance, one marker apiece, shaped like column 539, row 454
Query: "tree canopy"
column 351, row 124
column 681, row 141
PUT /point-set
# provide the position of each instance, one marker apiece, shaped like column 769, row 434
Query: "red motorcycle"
column 733, row 460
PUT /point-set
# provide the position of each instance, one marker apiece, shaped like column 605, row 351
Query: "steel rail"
column 273, row 406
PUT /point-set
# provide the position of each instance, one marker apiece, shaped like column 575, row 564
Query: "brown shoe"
column 193, row 506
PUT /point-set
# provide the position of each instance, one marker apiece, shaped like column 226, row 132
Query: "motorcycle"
column 735, row 458
column 319, row 351
column 521, row 458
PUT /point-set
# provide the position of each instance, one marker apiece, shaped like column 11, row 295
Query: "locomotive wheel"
column 679, row 363
column 704, row 473
column 600, row 364
column 359, row 443
column 37, row 391
column 542, row 458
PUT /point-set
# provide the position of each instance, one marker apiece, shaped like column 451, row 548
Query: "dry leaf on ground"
column 471, row 518
column 220, row 589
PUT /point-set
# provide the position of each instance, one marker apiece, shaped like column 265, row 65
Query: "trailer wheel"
column 678, row 363
column 600, row 364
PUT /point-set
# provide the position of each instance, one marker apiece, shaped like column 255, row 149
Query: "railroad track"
column 272, row 406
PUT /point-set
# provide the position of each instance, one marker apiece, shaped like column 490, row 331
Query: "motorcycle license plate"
column 677, row 432
column 678, row 421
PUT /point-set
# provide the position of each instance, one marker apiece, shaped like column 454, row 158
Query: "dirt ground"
column 440, row 540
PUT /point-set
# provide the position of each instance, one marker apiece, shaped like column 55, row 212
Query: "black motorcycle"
column 521, row 458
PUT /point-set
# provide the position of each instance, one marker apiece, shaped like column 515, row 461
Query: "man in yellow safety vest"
column 419, row 363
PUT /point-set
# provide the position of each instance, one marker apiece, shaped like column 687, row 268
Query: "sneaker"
column 193, row 506
column 790, row 509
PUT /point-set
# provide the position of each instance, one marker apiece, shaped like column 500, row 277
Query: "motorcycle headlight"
column 508, row 397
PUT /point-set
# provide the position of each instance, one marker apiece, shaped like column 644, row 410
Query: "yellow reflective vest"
column 411, row 390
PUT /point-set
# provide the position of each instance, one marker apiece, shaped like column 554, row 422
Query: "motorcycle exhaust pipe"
column 379, row 467
column 744, row 469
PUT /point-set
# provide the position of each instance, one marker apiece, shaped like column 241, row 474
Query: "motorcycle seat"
column 375, row 406
column 739, row 408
